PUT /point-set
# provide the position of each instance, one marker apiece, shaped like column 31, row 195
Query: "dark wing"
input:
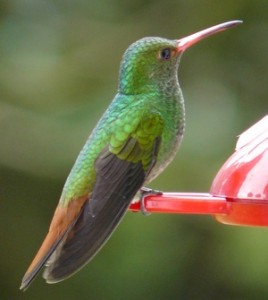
column 117, row 182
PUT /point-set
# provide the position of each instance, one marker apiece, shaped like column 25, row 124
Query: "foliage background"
column 59, row 64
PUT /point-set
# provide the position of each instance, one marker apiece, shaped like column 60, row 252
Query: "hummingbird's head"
column 148, row 64
column 151, row 64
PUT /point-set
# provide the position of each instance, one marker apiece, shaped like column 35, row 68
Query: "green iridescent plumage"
column 148, row 105
column 136, row 138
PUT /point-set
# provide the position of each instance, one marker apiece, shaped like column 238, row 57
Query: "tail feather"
column 63, row 220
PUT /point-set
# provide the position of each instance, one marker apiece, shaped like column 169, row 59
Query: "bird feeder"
column 239, row 192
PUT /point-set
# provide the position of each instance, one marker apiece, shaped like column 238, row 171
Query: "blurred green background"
column 59, row 65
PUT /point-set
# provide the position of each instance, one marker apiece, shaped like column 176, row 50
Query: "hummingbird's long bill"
column 192, row 39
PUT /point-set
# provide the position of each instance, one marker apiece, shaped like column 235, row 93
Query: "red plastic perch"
column 183, row 203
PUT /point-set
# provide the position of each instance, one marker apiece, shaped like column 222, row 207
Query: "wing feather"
column 116, row 184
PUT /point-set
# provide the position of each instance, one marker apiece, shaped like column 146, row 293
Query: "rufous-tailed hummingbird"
column 134, row 141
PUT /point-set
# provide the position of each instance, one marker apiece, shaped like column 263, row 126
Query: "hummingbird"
column 134, row 141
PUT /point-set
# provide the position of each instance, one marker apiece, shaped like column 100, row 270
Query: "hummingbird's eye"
column 165, row 53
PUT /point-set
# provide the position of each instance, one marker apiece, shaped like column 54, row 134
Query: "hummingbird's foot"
column 144, row 191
